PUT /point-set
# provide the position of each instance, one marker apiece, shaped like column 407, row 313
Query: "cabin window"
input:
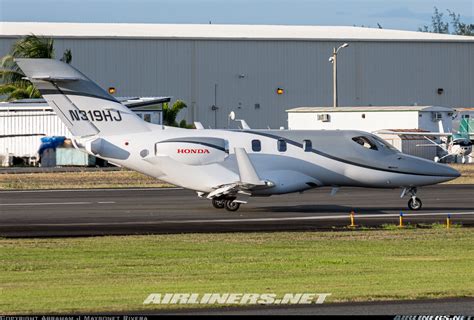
column 365, row 142
column 256, row 146
column 281, row 145
column 307, row 145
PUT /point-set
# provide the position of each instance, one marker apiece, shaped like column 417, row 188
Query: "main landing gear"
column 414, row 203
column 229, row 204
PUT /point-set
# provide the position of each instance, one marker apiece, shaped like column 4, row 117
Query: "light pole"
column 333, row 60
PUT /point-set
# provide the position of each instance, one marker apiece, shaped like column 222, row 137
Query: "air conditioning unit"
column 324, row 117
column 437, row 116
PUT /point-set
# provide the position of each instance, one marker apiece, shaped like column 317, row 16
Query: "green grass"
column 118, row 273
column 78, row 180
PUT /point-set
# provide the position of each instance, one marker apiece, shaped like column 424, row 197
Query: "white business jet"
column 226, row 166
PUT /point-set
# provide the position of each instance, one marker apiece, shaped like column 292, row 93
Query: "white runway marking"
column 92, row 190
column 53, row 203
column 42, row 203
column 309, row 218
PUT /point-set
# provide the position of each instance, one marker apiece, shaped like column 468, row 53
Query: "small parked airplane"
column 454, row 144
column 226, row 166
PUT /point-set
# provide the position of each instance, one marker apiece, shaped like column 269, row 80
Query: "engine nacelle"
column 194, row 151
column 104, row 149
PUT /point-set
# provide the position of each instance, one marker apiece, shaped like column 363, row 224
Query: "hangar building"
column 371, row 118
column 24, row 122
column 220, row 68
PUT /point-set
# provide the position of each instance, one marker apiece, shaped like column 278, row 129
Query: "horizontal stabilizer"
column 54, row 79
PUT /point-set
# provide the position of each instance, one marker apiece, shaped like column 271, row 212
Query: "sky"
column 402, row 14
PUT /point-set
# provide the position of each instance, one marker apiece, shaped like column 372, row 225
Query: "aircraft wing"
column 249, row 180
column 411, row 133
column 240, row 191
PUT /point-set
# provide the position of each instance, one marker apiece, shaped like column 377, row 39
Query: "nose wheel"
column 414, row 203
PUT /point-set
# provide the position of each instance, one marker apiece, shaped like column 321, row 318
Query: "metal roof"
column 218, row 31
column 134, row 103
column 370, row 109
column 406, row 130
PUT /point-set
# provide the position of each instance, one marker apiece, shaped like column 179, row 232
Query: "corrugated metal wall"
column 28, row 122
column 245, row 74
column 411, row 146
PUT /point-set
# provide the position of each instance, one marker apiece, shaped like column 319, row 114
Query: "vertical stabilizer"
column 84, row 107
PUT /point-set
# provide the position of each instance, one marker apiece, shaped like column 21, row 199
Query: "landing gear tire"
column 415, row 203
column 231, row 205
column 218, row 203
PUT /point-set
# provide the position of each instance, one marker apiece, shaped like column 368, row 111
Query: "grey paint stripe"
column 195, row 142
column 41, row 203
column 323, row 154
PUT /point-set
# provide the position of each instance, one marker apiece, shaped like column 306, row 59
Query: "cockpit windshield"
column 373, row 143
column 384, row 143
column 365, row 142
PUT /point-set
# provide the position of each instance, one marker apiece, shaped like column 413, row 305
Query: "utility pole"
column 215, row 107
column 333, row 60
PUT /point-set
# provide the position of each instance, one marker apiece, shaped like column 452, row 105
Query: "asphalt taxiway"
column 143, row 211
column 451, row 306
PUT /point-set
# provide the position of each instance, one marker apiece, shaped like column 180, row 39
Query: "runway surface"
column 454, row 306
column 143, row 211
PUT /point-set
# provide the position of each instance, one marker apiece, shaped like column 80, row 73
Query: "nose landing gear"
column 414, row 203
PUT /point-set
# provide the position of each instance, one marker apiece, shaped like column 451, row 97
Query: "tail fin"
column 84, row 107
column 466, row 126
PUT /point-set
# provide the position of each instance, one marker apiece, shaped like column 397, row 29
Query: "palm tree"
column 170, row 114
column 12, row 83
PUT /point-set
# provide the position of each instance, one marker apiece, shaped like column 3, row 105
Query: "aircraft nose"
column 440, row 172
column 447, row 171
